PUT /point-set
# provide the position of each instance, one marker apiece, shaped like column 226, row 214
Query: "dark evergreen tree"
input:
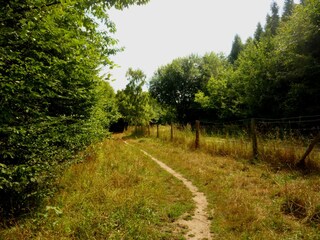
column 298, row 51
column 237, row 47
column 288, row 9
column 258, row 33
column 273, row 20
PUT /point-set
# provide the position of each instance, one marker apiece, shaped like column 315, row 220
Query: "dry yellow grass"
column 115, row 193
column 118, row 193
column 279, row 152
column 247, row 201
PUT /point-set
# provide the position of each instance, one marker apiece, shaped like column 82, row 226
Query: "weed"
column 246, row 201
column 114, row 193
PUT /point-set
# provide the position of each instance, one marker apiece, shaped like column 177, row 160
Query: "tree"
column 134, row 103
column 298, row 51
column 105, row 111
column 280, row 70
column 175, row 85
column 273, row 21
column 212, row 65
column 288, row 9
column 258, row 33
column 221, row 96
column 237, row 47
column 50, row 54
column 255, row 78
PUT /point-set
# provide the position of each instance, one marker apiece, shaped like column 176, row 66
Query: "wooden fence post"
column 171, row 132
column 157, row 130
column 302, row 161
column 149, row 133
column 254, row 139
column 197, row 134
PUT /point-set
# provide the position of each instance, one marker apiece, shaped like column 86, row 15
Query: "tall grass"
column 115, row 193
column 279, row 151
column 247, row 201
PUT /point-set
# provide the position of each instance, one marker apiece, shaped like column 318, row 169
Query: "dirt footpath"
column 199, row 225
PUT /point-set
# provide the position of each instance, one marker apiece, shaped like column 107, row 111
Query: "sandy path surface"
column 199, row 225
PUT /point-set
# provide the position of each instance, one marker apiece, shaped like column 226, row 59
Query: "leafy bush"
column 52, row 101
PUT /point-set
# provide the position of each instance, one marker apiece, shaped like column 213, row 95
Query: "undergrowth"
column 115, row 193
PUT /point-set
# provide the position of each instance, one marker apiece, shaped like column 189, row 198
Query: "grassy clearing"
column 246, row 201
column 116, row 193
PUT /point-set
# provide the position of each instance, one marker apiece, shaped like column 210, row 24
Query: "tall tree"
column 175, row 85
column 273, row 21
column 237, row 47
column 258, row 33
column 134, row 103
column 287, row 9
column 254, row 78
column 221, row 97
column 50, row 54
column 298, row 51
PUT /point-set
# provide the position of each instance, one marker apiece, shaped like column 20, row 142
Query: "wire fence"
column 283, row 140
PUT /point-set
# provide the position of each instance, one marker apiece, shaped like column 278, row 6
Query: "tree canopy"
column 176, row 84
column 52, row 100
column 275, row 74
column 134, row 103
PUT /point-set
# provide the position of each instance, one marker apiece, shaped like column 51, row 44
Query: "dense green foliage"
column 176, row 84
column 52, row 100
column 287, row 9
column 279, row 75
column 135, row 105
column 237, row 47
column 274, row 74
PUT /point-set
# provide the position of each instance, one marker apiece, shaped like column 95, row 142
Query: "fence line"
column 257, row 132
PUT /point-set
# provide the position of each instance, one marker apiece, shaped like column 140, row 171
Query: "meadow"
column 248, row 199
column 116, row 192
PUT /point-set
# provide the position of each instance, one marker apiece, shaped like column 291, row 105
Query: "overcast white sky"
column 155, row 34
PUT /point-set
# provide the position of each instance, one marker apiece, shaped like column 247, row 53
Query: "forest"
column 273, row 74
column 55, row 103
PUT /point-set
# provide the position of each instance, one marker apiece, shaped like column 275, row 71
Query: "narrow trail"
column 199, row 225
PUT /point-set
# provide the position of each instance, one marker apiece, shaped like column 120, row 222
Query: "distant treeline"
column 274, row 74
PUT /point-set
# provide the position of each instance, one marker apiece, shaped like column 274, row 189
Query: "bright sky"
column 155, row 34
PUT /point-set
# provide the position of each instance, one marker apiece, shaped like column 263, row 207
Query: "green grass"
column 115, row 193
column 119, row 193
column 246, row 200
